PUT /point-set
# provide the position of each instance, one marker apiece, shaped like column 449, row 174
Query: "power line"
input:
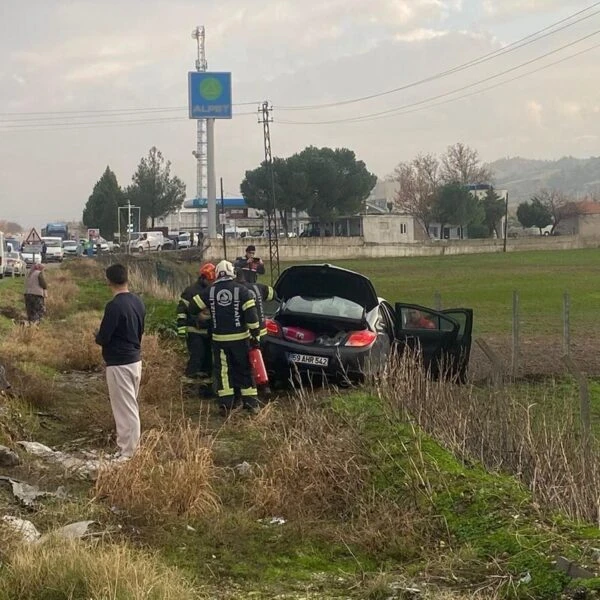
column 476, row 92
column 68, row 125
column 109, row 111
column 527, row 40
column 361, row 118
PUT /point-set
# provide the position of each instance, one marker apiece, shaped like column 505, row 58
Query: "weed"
column 171, row 474
column 161, row 373
column 62, row 291
column 313, row 467
column 81, row 571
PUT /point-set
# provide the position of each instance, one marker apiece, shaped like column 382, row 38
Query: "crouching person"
column 120, row 336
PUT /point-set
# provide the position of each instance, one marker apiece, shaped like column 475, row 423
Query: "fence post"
column 496, row 363
column 567, row 324
column 584, row 401
column 515, row 334
column 437, row 301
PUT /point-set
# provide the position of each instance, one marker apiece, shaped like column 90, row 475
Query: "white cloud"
column 535, row 111
column 500, row 8
column 96, row 72
column 570, row 108
column 419, row 35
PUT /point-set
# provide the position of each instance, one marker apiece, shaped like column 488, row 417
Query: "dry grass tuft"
column 62, row 292
column 84, row 268
column 68, row 345
column 161, row 373
column 143, row 279
column 74, row 569
column 313, row 465
column 171, row 474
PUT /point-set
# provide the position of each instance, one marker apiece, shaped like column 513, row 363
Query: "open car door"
column 460, row 354
column 434, row 334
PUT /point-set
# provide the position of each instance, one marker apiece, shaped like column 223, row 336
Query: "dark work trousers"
column 200, row 358
column 233, row 374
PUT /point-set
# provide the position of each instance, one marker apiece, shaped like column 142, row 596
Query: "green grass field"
column 485, row 282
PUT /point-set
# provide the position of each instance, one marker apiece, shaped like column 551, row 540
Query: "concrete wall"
column 329, row 249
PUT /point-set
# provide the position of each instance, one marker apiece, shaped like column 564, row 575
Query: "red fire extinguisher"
column 258, row 366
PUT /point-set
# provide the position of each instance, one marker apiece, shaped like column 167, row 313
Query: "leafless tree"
column 557, row 204
column 461, row 164
column 418, row 182
column 10, row 227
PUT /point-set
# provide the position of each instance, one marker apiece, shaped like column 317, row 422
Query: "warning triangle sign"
column 33, row 237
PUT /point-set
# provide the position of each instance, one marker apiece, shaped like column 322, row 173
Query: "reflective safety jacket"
column 232, row 309
column 264, row 293
column 186, row 321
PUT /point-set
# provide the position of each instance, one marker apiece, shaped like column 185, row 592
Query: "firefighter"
column 264, row 293
column 196, row 328
column 235, row 328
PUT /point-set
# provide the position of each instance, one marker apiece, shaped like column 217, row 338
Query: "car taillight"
column 360, row 339
column 272, row 327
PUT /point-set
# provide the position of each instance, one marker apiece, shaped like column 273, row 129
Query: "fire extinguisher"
column 259, row 370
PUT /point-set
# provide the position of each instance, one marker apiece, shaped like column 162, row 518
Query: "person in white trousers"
column 120, row 336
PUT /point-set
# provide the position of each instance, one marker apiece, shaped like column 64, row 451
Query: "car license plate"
column 305, row 359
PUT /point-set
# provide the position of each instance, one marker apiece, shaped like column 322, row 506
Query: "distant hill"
column 522, row 177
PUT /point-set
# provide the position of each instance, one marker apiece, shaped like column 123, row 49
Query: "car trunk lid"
column 322, row 281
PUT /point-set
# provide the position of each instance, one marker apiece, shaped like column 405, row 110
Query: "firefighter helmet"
column 208, row 272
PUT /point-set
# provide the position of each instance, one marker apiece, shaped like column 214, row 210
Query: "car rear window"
column 333, row 306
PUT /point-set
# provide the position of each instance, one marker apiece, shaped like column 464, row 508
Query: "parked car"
column 15, row 265
column 184, row 240
column 54, row 249
column 70, row 247
column 32, row 254
column 332, row 323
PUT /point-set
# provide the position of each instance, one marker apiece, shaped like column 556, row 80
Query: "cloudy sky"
column 78, row 79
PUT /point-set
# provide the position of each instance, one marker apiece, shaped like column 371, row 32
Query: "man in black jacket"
column 120, row 336
column 196, row 328
column 250, row 264
column 235, row 329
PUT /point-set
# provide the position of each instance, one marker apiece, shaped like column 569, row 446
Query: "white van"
column 145, row 241
column 54, row 249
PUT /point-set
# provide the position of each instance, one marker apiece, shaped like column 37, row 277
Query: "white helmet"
column 225, row 269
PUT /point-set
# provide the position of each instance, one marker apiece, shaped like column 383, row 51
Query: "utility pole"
column 222, row 219
column 265, row 116
column 201, row 151
column 505, row 222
